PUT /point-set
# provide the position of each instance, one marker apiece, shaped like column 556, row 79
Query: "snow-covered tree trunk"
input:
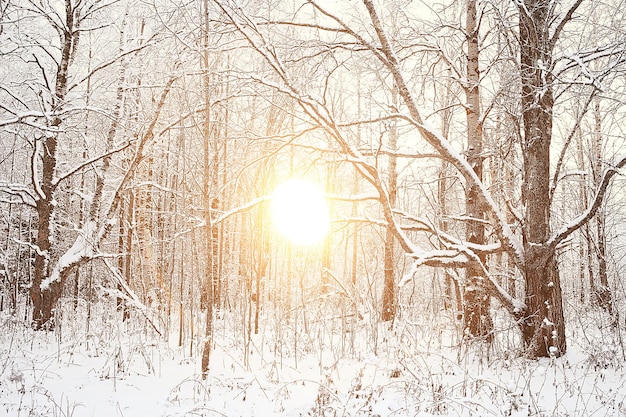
column 389, row 286
column 208, row 188
column 601, row 292
column 45, row 155
column 476, row 300
column 543, row 327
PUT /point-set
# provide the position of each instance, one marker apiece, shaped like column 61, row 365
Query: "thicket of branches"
column 470, row 153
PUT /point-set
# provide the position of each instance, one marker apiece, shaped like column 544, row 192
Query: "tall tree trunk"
column 44, row 299
column 586, row 241
column 603, row 295
column 453, row 297
column 389, row 289
column 208, row 293
column 326, row 245
column 476, row 300
column 543, row 328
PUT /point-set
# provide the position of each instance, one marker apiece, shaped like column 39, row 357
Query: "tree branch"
column 563, row 22
column 86, row 163
column 584, row 217
column 502, row 229
column 559, row 164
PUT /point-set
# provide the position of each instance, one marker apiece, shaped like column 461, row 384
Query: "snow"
column 123, row 369
column 83, row 247
column 462, row 164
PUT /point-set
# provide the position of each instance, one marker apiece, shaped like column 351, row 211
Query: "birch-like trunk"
column 476, row 300
column 602, row 291
column 208, row 284
column 389, row 289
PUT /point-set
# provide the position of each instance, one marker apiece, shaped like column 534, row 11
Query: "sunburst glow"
column 300, row 212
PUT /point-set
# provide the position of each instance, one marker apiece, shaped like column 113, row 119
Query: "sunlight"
column 300, row 212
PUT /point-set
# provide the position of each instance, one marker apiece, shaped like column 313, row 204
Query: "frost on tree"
column 532, row 246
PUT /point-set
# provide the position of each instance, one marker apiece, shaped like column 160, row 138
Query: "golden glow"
column 300, row 212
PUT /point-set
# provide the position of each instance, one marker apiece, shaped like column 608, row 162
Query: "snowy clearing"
column 125, row 370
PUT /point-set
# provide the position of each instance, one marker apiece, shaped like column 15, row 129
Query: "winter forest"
column 312, row 208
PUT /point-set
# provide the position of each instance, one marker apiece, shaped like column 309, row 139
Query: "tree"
column 476, row 301
column 539, row 314
column 389, row 286
column 46, row 112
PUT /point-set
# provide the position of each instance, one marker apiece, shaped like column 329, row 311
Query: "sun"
column 300, row 212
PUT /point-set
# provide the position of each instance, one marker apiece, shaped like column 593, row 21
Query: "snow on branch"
column 352, row 198
column 88, row 162
column 462, row 257
column 20, row 191
column 243, row 208
column 32, row 246
column 21, row 118
column 582, row 59
column 585, row 216
column 366, row 220
column 557, row 172
column 441, row 144
column 83, row 249
column 201, row 222
column 447, row 258
column 130, row 294
column 559, row 28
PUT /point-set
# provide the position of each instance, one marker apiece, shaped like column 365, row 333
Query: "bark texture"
column 44, row 300
column 543, row 327
column 476, row 300
column 389, row 289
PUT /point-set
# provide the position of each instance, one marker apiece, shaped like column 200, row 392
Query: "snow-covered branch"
column 502, row 229
column 360, row 219
column 25, row 194
column 568, row 16
column 83, row 249
column 568, row 140
column 352, row 198
column 243, row 208
column 595, row 204
column 88, row 162
column 135, row 302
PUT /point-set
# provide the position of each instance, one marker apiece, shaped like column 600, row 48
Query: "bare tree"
column 48, row 120
column 539, row 313
column 476, row 301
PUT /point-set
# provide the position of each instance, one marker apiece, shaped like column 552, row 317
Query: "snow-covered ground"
column 115, row 369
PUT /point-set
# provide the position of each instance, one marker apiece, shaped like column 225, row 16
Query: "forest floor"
column 113, row 370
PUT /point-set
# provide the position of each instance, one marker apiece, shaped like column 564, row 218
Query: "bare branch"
column 570, row 136
column 563, row 22
column 585, row 216
column 88, row 162
column 109, row 63
column 117, row 275
column 241, row 209
column 20, row 191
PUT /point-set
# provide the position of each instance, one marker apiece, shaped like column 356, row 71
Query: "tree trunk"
column 208, row 282
column 389, row 289
column 543, row 327
column 603, row 294
column 476, row 300
column 44, row 300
